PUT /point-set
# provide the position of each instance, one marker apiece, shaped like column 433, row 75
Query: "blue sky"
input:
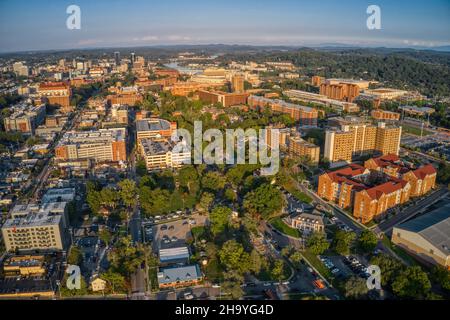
column 40, row 25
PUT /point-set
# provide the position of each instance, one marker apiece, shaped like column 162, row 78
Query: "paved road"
column 45, row 172
column 302, row 281
column 139, row 283
column 135, row 225
column 412, row 211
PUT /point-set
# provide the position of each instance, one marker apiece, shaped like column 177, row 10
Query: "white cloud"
column 178, row 38
column 146, row 38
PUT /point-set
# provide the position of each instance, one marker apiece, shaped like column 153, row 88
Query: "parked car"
column 319, row 284
column 188, row 296
column 335, row 270
column 163, row 227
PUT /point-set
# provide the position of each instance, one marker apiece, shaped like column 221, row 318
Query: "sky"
column 41, row 24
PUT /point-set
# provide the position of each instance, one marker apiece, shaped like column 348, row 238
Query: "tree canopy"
column 266, row 201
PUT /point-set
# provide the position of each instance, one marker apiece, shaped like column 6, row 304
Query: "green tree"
column 390, row 268
column 367, row 241
column 186, row 176
column 109, row 197
column 116, row 282
column 128, row 192
column 317, row 243
column 355, row 288
column 105, row 235
column 232, row 284
column 266, row 201
column 213, row 181
column 343, row 241
column 296, row 258
column 219, row 218
column 75, row 256
column 154, row 201
column 233, row 256
column 125, row 257
column 205, row 201
column 442, row 276
column 286, row 251
column 277, row 271
column 255, row 262
column 147, row 181
column 230, row 195
column 93, row 197
column 235, row 175
column 411, row 283
column 141, row 169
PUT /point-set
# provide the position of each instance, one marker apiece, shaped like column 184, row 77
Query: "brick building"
column 58, row 93
column 305, row 115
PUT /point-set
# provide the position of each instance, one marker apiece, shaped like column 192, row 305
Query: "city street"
column 412, row 211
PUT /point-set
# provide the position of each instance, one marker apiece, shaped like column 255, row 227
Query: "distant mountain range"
column 226, row 48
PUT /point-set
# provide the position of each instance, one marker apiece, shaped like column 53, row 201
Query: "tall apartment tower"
column 357, row 140
column 237, row 83
column 117, row 58
column 133, row 58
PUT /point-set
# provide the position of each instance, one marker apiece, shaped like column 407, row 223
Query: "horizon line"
column 292, row 46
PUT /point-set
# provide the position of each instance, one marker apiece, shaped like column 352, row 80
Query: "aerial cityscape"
column 194, row 163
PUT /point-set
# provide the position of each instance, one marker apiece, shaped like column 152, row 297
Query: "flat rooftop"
column 152, row 125
column 282, row 103
column 152, row 148
column 176, row 253
column 48, row 214
column 95, row 136
column 433, row 226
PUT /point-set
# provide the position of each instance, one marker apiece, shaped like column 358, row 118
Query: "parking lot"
column 91, row 250
column 341, row 266
column 172, row 231
column 295, row 206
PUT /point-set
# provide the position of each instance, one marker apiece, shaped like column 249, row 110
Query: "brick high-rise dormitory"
column 382, row 184
column 351, row 141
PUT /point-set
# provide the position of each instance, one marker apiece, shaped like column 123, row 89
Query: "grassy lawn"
column 290, row 187
column 153, row 278
column 279, row 224
column 213, row 270
column 314, row 261
column 414, row 130
column 266, row 275
column 399, row 251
